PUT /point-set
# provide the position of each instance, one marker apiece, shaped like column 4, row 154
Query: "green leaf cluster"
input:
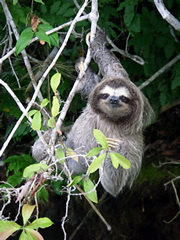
column 27, row 34
column 16, row 166
column 7, row 228
column 116, row 158
column 36, row 123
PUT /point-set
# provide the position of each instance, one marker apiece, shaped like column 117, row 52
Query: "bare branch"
column 166, row 14
column 159, row 72
column 135, row 58
column 177, row 198
column 93, row 19
column 66, row 214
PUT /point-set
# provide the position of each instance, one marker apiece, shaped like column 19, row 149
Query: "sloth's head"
column 116, row 100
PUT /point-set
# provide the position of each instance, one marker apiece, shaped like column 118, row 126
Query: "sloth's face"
column 115, row 103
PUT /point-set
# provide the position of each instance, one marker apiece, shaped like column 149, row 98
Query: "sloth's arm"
column 108, row 63
column 89, row 80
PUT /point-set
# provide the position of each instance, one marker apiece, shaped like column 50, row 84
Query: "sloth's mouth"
column 114, row 105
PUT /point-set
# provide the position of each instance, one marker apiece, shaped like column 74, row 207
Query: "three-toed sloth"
column 116, row 107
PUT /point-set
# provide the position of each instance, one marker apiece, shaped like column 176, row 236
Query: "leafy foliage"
column 16, row 165
column 133, row 25
column 7, row 228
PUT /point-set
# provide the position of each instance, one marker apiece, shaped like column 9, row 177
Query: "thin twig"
column 159, row 72
column 177, row 201
column 95, row 209
column 66, row 214
column 90, row 212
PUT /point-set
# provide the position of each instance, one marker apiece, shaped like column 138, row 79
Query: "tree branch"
column 159, row 72
column 166, row 14
column 93, row 18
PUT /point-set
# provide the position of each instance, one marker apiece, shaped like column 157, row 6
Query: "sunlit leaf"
column 60, row 153
column 39, row 1
column 72, row 154
column 96, row 163
column 37, row 167
column 32, row 112
column 36, row 121
column 14, row 2
column 101, row 139
column 88, row 187
column 55, row 106
column 40, row 223
column 33, row 235
column 27, row 211
column 24, row 235
column 51, row 123
column 7, row 228
column 44, row 102
column 55, row 81
column 94, row 151
column 76, row 180
column 121, row 160
column 24, row 39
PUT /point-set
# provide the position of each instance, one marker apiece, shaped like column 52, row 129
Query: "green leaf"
column 32, row 112
column 136, row 24
column 60, row 153
column 7, row 228
column 71, row 153
column 39, row 1
column 175, row 82
column 24, row 235
column 51, row 123
column 44, row 102
column 55, row 81
column 37, row 167
column 76, row 180
column 15, row 2
column 36, row 121
column 54, row 39
column 24, row 39
column 88, row 186
column 163, row 98
column 129, row 14
column 55, row 106
column 94, row 151
column 43, row 195
column 96, row 163
column 117, row 159
column 27, row 211
column 101, row 139
column 43, row 36
column 40, row 223
column 32, row 235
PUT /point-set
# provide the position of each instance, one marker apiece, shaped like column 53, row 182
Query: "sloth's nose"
column 113, row 99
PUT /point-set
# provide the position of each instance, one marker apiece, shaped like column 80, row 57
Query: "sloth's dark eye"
column 104, row 96
column 124, row 99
